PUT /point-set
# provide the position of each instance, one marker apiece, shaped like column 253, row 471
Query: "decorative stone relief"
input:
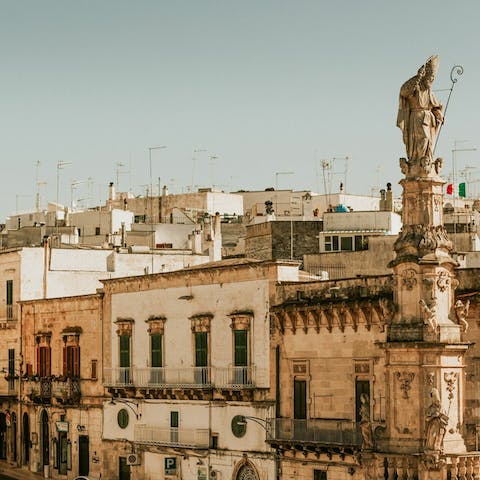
column 436, row 420
column 241, row 320
column 405, row 379
column 423, row 238
column 365, row 423
column 450, row 379
column 156, row 325
column 124, row 326
column 461, row 312
column 201, row 322
column 409, row 278
column 429, row 314
column 443, row 281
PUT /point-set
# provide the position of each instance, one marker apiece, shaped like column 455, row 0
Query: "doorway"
column 83, row 455
column 45, row 437
column 123, row 469
column 26, row 439
column 3, row 436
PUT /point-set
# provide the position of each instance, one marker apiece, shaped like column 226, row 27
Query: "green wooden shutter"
column 156, row 349
column 201, row 349
column 11, row 362
column 9, row 294
column 124, row 351
column 300, row 399
column 241, row 349
column 173, row 419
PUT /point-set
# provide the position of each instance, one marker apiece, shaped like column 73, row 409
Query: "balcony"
column 67, row 391
column 172, row 437
column 39, row 390
column 234, row 378
column 8, row 316
column 326, row 432
column 164, row 377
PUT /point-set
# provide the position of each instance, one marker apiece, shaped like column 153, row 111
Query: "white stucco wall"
column 218, row 299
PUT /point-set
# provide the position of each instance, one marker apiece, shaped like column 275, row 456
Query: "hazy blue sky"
column 266, row 86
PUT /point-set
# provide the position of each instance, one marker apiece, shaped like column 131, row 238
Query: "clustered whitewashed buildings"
column 238, row 368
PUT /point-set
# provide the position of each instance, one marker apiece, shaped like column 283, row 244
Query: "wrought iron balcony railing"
column 175, row 437
column 187, row 377
column 341, row 432
column 66, row 391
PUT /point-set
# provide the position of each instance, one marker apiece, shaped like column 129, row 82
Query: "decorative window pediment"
column 240, row 320
column 156, row 324
column 124, row 326
column 201, row 322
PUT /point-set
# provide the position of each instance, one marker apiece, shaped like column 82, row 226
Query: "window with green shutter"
column 124, row 350
column 241, row 348
column 156, row 349
column 201, row 349
column 9, row 292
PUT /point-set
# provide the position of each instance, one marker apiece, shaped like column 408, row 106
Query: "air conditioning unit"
column 133, row 459
column 215, row 475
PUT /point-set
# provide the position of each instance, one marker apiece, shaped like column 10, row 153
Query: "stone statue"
column 436, row 421
column 429, row 313
column 461, row 313
column 365, row 423
column 420, row 114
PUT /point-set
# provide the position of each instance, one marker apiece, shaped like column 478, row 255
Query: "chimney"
column 111, row 191
column 215, row 250
column 389, row 198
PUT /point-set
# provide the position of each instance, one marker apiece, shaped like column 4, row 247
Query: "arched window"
column 247, row 472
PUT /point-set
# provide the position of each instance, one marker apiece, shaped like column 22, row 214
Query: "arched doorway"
column 13, row 436
column 246, row 471
column 26, row 439
column 3, row 436
column 45, row 436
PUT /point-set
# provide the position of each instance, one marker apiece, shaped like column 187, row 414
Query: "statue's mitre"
column 431, row 65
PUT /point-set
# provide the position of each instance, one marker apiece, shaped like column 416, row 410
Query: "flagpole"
column 454, row 168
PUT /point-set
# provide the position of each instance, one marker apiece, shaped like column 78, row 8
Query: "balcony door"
column 156, row 359
column 201, row 357
column 300, row 409
column 124, row 373
column 240, row 339
column 83, row 455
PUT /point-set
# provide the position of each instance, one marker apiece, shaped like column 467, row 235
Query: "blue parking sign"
column 170, row 465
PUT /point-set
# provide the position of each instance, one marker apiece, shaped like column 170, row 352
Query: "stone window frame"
column 71, row 338
column 156, row 326
column 359, row 364
column 124, row 328
column 43, row 340
column 242, row 320
column 201, row 323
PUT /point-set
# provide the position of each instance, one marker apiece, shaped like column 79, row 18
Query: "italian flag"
column 462, row 192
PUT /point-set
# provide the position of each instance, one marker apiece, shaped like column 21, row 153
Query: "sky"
column 239, row 93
